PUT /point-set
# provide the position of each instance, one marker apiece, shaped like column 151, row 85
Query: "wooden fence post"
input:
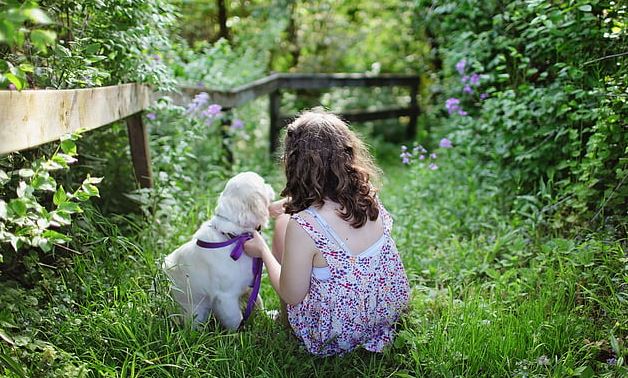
column 411, row 130
column 274, row 112
column 225, row 123
column 140, row 152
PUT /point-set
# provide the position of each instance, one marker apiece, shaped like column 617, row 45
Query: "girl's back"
column 361, row 297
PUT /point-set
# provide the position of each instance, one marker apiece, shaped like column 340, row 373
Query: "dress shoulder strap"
column 318, row 237
column 387, row 219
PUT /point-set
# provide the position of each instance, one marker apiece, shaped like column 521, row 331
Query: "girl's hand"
column 255, row 247
column 276, row 208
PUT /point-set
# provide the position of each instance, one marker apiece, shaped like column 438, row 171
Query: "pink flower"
column 12, row 87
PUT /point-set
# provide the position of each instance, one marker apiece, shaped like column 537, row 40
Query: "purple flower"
column 212, row 110
column 461, row 65
column 433, row 166
column 420, row 149
column 422, row 157
column 237, row 124
column 405, row 155
column 12, row 87
column 464, row 79
column 432, row 156
column 462, row 112
column 151, row 116
column 445, row 143
column 467, row 89
column 474, row 79
column 199, row 100
column 611, row 361
column 156, row 57
column 483, row 96
column 452, row 105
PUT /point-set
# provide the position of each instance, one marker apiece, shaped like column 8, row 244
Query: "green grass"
column 490, row 297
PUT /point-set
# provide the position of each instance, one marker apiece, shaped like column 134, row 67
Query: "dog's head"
column 244, row 202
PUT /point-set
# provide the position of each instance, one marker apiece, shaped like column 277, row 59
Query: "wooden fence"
column 30, row 118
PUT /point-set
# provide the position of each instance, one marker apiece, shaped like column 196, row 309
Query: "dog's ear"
column 245, row 201
column 257, row 204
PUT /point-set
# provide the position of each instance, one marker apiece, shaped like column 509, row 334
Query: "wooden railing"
column 30, row 118
column 273, row 85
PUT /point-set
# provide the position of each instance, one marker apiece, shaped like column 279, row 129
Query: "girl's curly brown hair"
column 324, row 159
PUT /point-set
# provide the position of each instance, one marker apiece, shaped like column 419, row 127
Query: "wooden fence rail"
column 30, row 118
column 273, row 85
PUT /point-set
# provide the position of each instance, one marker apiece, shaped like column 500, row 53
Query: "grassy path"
column 491, row 298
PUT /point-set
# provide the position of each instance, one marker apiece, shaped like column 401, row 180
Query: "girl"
column 333, row 261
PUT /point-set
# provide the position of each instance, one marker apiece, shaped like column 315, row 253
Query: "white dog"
column 208, row 280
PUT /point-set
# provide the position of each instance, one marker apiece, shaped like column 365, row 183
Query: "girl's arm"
column 291, row 279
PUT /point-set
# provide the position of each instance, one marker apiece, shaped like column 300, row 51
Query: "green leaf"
column 60, row 196
column 56, row 237
column 60, row 218
column 37, row 16
column 3, row 209
column 68, row 146
column 69, row 207
column 23, row 189
column 585, row 8
column 90, row 190
column 26, row 172
column 4, row 178
column 18, row 82
column 44, row 182
column 93, row 180
column 18, row 207
column 12, row 366
column 43, row 38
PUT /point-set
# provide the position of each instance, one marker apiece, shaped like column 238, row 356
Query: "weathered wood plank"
column 318, row 81
column 140, row 151
column 361, row 116
column 30, row 118
column 240, row 95
column 411, row 129
column 274, row 110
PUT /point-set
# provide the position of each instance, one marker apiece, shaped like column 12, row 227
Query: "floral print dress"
column 361, row 300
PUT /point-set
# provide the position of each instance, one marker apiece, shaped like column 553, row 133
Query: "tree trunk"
column 222, row 20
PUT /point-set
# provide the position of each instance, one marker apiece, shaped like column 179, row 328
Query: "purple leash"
column 235, row 255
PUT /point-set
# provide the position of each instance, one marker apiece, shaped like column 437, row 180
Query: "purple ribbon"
column 235, row 255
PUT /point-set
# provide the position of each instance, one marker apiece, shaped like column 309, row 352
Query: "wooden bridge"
column 34, row 117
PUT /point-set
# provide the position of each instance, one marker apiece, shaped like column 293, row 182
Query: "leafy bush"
column 98, row 43
column 39, row 205
column 20, row 31
column 555, row 76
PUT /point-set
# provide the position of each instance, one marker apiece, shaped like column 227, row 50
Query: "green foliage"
column 38, row 205
column 20, row 30
column 555, row 74
column 98, row 43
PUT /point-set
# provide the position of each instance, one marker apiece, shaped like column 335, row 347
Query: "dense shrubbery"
column 97, row 43
column 554, row 74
